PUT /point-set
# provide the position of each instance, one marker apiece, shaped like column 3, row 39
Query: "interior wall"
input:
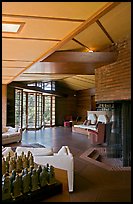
column 113, row 81
column 84, row 102
column 10, row 106
column 76, row 104
column 4, row 104
column 65, row 106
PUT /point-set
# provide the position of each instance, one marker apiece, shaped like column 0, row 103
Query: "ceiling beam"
column 41, row 17
column 104, row 30
column 61, row 68
column 85, row 57
column 30, row 38
column 84, row 46
column 101, row 12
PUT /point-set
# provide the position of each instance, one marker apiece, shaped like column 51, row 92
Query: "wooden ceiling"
column 56, row 38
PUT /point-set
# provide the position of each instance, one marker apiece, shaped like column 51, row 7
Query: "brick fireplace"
column 113, row 92
column 119, row 141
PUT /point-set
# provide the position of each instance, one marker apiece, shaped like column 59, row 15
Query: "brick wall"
column 113, row 81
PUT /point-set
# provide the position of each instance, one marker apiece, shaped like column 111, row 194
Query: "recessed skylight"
column 8, row 27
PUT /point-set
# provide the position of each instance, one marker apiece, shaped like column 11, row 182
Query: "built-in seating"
column 11, row 135
column 91, row 123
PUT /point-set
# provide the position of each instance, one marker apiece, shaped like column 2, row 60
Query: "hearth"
column 119, row 142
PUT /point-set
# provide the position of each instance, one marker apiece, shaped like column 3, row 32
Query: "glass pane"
column 31, row 110
column 18, row 108
column 24, row 110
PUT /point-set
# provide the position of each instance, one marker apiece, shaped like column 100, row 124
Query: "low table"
column 61, row 175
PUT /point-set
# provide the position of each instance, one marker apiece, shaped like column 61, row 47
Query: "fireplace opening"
column 119, row 141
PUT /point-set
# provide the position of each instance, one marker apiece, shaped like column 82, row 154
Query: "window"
column 34, row 110
column 39, row 84
column 31, row 110
column 49, row 85
column 18, row 107
column 24, row 110
column 39, row 111
column 49, row 110
column 33, row 84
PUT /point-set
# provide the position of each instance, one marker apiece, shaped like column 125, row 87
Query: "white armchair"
column 63, row 159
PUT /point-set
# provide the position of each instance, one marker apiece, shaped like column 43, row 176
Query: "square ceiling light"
column 11, row 27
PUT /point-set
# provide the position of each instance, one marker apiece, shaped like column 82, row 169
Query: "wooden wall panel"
column 4, row 104
column 113, row 82
column 84, row 102
column 74, row 104
column 65, row 106
column 10, row 106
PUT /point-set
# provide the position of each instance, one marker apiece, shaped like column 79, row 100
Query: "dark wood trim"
column 84, row 57
column 64, row 68
column 35, row 110
column 104, row 30
column 80, row 43
column 26, row 111
column 51, row 111
column 21, row 109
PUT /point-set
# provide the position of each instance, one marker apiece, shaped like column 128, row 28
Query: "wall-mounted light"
column 90, row 50
column 12, row 27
